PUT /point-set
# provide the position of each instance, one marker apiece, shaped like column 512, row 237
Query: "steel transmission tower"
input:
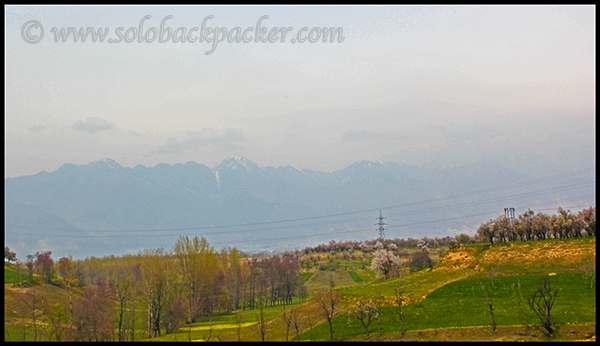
column 381, row 229
column 509, row 212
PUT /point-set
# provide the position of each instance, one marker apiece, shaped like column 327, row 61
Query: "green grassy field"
column 362, row 275
column 223, row 324
column 462, row 303
column 415, row 286
column 321, row 280
column 307, row 276
column 355, row 277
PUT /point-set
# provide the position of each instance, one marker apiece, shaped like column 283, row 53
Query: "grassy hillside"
column 462, row 303
column 552, row 255
column 449, row 298
column 445, row 302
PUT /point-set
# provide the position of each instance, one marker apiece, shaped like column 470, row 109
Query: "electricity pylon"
column 381, row 229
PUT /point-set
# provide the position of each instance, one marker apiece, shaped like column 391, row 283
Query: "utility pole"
column 380, row 229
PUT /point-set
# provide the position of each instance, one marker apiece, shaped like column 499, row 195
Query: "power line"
column 428, row 210
column 497, row 199
column 320, row 234
column 334, row 215
column 489, row 214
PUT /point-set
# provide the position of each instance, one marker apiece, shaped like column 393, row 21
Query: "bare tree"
column 327, row 301
column 541, row 303
column 489, row 303
column 399, row 302
column 491, row 273
column 312, row 338
column 287, row 319
column 29, row 304
column 212, row 303
column 262, row 325
column 294, row 316
column 94, row 315
column 239, row 319
column 175, row 315
column 589, row 267
column 521, row 303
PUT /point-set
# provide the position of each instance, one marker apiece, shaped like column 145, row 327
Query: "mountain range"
column 103, row 208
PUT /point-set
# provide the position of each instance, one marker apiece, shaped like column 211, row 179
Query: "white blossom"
column 385, row 261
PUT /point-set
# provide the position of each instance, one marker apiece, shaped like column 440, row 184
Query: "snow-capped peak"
column 108, row 163
column 237, row 161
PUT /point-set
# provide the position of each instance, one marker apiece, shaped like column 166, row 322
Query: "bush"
column 420, row 259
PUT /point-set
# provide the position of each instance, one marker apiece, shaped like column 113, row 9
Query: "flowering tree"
column 365, row 313
column 385, row 261
column 364, row 246
column 589, row 219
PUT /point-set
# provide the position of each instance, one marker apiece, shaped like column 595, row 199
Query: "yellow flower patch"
column 217, row 326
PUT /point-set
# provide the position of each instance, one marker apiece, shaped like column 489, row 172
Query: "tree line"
column 177, row 287
column 531, row 226
column 527, row 226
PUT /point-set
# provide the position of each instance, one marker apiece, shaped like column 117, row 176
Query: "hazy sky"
column 416, row 85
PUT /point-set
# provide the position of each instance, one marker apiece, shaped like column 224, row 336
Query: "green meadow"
column 463, row 304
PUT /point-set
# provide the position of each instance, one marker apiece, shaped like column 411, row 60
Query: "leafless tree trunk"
column 327, row 302
column 262, row 325
column 542, row 302
column 311, row 328
column 287, row 319
column 379, row 314
column 296, row 322
column 491, row 273
column 29, row 306
column 239, row 319
column 399, row 302
column 487, row 298
column 521, row 303
column 589, row 267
